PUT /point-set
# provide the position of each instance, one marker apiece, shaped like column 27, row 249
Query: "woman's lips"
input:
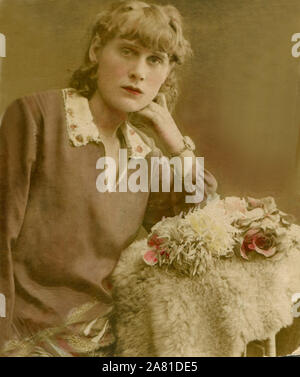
column 131, row 90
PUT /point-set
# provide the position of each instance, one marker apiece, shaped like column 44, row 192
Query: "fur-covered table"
column 160, row 312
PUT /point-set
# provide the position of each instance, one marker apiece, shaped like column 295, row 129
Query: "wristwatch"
column 188, row 146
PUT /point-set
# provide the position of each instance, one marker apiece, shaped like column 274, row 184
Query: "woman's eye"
column 155, row 59
column 126, row 51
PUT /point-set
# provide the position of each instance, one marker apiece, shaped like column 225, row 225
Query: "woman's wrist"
column 177, row 149
column 185, row 145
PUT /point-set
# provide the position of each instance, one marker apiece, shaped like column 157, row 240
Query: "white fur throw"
column 162, row 313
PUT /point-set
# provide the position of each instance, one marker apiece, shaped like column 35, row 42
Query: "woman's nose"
column 138, row 71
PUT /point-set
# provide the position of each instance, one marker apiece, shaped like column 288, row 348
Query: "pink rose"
column 259, row 241
column 155, row 241
column 150, row 257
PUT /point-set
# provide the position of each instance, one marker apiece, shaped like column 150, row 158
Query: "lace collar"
column 82, row 129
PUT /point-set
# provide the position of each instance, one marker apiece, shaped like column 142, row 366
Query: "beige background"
column 239, row 93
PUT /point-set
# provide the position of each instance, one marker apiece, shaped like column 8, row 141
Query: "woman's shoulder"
column 35, row 108
column 46, row 99
column 39, row 102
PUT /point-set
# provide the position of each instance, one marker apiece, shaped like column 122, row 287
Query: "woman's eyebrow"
column 138, row 46
column 161, row 54
column 126, row 42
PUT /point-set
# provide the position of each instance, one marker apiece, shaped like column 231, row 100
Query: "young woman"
column 60, row 238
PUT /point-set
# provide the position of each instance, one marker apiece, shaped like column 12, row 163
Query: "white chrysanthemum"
column 213, row 228
column 190, row 243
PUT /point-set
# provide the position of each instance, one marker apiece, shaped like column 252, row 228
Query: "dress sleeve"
column 17, row 157
column 166, row 204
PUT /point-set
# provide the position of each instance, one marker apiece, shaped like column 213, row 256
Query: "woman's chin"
column 130, row 105
column 130, row 108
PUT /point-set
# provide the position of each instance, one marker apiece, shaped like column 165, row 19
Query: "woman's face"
column 129, row 75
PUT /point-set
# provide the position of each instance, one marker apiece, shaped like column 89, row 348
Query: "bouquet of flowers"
column 233, row 227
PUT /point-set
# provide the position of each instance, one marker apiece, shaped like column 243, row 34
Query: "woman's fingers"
column 157, row 111
column 147, row 112
column 157, row 108
column 161, row 100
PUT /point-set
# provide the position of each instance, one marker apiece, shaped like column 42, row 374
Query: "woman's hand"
column 164, row 124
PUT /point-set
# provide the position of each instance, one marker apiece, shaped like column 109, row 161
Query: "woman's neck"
column 106, row 119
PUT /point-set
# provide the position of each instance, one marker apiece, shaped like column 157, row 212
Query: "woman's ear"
column 94, row 49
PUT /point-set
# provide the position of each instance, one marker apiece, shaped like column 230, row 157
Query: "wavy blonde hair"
column 156, row 27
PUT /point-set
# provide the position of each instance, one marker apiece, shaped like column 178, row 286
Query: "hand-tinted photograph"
column 149, row 178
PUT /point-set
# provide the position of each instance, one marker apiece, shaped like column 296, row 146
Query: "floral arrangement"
column 246, row 228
